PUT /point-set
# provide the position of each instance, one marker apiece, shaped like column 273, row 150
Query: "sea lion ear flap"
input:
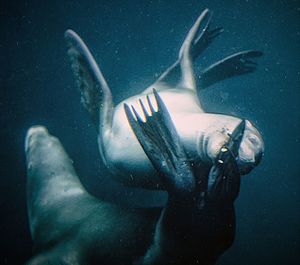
column 95, row 93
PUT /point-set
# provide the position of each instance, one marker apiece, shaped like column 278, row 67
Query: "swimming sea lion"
column 202, row 134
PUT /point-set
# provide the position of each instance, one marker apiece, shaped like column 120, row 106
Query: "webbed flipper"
column 160, row 141
column 181, row 73
column 234, row 65
column 95, row 93
column 200, row 36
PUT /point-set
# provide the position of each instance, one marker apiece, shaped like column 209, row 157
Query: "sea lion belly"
column 125, row 155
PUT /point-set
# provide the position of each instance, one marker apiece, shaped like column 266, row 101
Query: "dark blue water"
column 133, row 41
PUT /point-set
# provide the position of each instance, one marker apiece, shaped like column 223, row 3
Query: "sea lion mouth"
column 213, row 140
column 236, row 138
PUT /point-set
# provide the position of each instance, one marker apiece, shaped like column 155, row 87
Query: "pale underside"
column 127, row 158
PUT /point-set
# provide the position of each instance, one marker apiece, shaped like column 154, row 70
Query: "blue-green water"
column 133, row 41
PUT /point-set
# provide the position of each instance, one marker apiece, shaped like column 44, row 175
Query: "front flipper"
column 237, row 64
column 186, row 232
column 160, row 141
column 95, row 93
column 224, row 176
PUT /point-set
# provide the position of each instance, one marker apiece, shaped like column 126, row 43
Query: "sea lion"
column 202, row 134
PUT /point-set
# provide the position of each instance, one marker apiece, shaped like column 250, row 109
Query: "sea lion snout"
column 251, row 149
column 251, row 146
column 34, row 133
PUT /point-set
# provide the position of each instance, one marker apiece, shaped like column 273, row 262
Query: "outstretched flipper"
column 181, row 73
column 95, row 93
column 200, row 36
column 159, row 139
column 189, row 48
column 237, row 64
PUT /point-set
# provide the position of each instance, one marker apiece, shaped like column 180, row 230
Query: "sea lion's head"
column 217, row 134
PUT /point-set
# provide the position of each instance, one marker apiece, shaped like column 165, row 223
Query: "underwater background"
column 133, row 42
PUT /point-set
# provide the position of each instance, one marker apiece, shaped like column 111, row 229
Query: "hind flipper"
column 199, row 36
column 198, row 39
column 237, row 64
column 95, row 93
column 186, row 51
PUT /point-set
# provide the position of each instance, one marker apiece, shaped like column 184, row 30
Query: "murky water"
column 134, row 41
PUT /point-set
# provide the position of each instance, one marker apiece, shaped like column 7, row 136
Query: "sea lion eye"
column 253, row 140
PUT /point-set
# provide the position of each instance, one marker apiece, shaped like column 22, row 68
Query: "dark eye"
column 253, row 140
